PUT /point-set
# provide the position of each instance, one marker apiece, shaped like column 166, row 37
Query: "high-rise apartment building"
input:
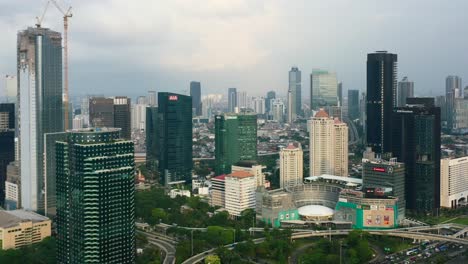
column 323, row 89
column 405, row 90
column 239, row 194
column 151, row 131
column 232, row 100
column 460, row 116
column 11, row 88
column 259, row 105
column 353, row 104
column 296, row 94
column 95, row 197
column 195, row 93
column 174, row 143
column 453, row 182
column 291, row 165
column 152, row 98
column 139, row 116
column 380, row 99
column 235, row 140
column 379, row 173
column 277, row 110
column 328, row 145
column 40, row 106
column 416, row 143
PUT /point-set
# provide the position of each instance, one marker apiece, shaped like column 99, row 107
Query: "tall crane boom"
column 66, row 15
column 41, row 18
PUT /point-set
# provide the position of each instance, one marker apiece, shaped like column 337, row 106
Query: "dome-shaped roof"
column 315, row 210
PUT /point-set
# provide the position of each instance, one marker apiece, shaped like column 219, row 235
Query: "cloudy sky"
column 127, row 47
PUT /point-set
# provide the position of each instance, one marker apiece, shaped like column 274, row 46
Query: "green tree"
column 212, row 259
column 159, row 214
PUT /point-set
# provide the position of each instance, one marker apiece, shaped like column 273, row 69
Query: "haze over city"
column 129, row 47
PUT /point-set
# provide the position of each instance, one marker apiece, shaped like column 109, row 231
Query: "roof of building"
column 240, row 174
column 13, row 218
column 337, row 120
column 221, row 177
column 321, row 113
column 292, row 146
column 315, row 210
column 334, row 178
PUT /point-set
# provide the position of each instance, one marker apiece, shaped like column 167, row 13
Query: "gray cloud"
column 129, row 47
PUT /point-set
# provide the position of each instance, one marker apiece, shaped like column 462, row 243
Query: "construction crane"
column 66, row 14
column 39, row 19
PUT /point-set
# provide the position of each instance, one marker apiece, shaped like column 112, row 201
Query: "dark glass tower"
column 174, row 137
column 7, row 116
column 381, row 99
column 270, row 96
column 416, row 142
column 151, row 137
column 7, row 155
column 40, row 107
column 353, row 104
column 232, row 100
column 195, row 93
column 101, row 112
column 95, row 198
column 235, row 140
column 122, row 116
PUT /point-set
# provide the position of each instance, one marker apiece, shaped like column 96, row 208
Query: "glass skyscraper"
column 232, row 100
column 380, row 99
column 294, row 100
column 323, row 89
column 405, row 90
column 195, row 93
column 151, row 137
column 353, row 104
column 95, row 197
column 235, row 140
column 174, row 145
column 40, row 107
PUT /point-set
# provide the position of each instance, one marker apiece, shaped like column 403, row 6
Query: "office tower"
column 253, row 168
column 340, row 93
column 13, row 187
column 174, row 137
column 465, row 92
column 122, row 116
column 259, row 105
column 195, row 93
column 416, row 143
column 139, row 116
column 453, row 86
column 291, row 165
column 380, row 100
column 328, row 145
column 151, row 131
column 277, row 110
column 353, row 104
column 290, row 109
column 101, row 112
column 441, row 103
column 270, row 96
column 152, row 99
column 95, row 197
column 378, row 173
column 323, row 89
column 295, row 89
column 218, row 191
column 405, row 90
column 232, row 100
column 460, row 116
column 235, row 140
column 40, row 107
column 239, row 192
column 453, row 182
column 363, row 110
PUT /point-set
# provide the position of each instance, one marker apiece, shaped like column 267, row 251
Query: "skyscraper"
column 277, row 110
column 152, row 98
column 340, row 93
column 453, row 89
column 7, row 145
column 40, row 106
column 101, row 112
column 50, row 172
column 122, row 116
column 239, row 192
column 259, row 105
column 442, row 104
column 270, row 96
column 195, row 93
column 151, row 131
column 174, row 137
column 235, row 140
column 328, row 145
column 11, row 88
column 416, row 143
column 465, row 92
column 323, row 89
column 381, row 99
column 291, row 165
column 353, row 104
column 405, row 90
column 232, row 100
column 95, row 198
column 295, row 88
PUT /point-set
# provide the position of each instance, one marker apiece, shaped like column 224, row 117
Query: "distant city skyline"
column 175, row 51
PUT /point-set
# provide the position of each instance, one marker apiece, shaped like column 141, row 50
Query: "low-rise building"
column 176, row 192
column 275, row 206
column 454, row 182
column 20, row 228
column 217, row 191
